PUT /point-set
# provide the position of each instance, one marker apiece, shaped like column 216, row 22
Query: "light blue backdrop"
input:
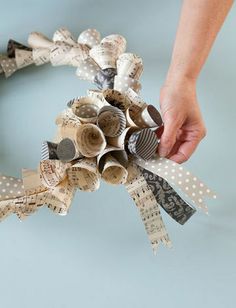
column 99, row 255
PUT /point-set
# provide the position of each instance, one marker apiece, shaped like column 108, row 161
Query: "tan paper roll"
column 113, row 172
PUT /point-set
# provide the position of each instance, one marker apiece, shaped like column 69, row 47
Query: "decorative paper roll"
column 23, row 58
column 104, row 55
column 143, row 144
column 39, row 40
column 117, row 99
column 49, row 150
column 52, row 172
column 151, row 116
column 41, row 56
column 113, row 172
column 118, row 41
column 89, row 37
column 87, row 69
column 87, row 108
column 64, row 35
column 84, row 175
column 13, row 45
column 104, row 79
column 112, row 121
column 119, row 154
column 90, row 140
column 67, row 150
column 130, row 65
column 123, row 83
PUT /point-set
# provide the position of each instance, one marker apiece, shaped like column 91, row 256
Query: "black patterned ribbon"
column 168, row 198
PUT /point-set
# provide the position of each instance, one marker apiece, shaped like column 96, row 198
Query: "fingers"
column 168, row 138
column 184, row 151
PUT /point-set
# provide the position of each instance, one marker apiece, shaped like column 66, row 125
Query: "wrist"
column 180, row 77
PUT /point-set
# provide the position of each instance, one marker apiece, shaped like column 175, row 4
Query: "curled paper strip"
column 111, row 135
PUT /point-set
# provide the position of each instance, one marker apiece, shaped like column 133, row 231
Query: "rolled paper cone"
column 9, row 66
column 52, row 172
column 67, row 150
column 111, row 120
column 113, row 172
column 123, row 83
column 13, row 45
column 89, row 37
column 68, row 124
column 130, row 65
column 41, row 56
column 143, row 144
column 104, row 79
column 119, row 154
column 116, row 99
column 119, row 141
column 151, row 116
column 23, row 58
column 135, row 98
column 90, row 139
column 98, row 95
column 49, row 150
column 84, row 175
column 86, row 109
column 78, row 54
column 87, row 69
column 118, row 41
column 59, row 54
column 104, row 55
column 64, row 35
column 38, row 40
column 132, row 114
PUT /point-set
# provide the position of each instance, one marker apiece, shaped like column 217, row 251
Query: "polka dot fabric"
column 175, row 174
column 10, row 188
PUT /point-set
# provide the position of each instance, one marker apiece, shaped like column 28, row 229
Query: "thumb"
column 168, row 137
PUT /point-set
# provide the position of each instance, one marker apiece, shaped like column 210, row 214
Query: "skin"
column 184, row 128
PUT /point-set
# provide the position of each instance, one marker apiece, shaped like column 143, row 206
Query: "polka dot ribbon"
column 176, row 174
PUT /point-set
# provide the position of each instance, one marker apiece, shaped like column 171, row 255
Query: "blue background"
column 99, row 255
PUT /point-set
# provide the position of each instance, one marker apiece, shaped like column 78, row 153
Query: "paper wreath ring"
column 109, row 134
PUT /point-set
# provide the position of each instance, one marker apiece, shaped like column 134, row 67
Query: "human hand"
column 183, row 124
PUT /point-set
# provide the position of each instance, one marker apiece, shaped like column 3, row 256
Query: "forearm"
column 200, row 21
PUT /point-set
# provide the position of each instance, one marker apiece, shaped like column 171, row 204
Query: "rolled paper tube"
column 39, row 40
column 67, row 118
column 118, row 141
column 113, row 172
column 49, row 150
column 116, row 99
column 133, row 116
column 111, row 120
column 23, row 58
column 59, row 54
column 151, row 116
column 90, row 140
column 67, row 150
column 119, row 154
column 89, row 37
column 135, row 98
column 104, row 55
column 41, row 56
column 64, row 35
column 9, row 66
column 123, row 83
column 143, row 144
column 87, row 69
column 130, row 65
column 77, row 55
column 84, row 175
column 118, row 41
column 97, row 94
column 52, row 172
column 13, row 45
column 86, row 109
column 104, row 79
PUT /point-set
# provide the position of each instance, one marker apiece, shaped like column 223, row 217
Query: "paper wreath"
column 109, row 134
